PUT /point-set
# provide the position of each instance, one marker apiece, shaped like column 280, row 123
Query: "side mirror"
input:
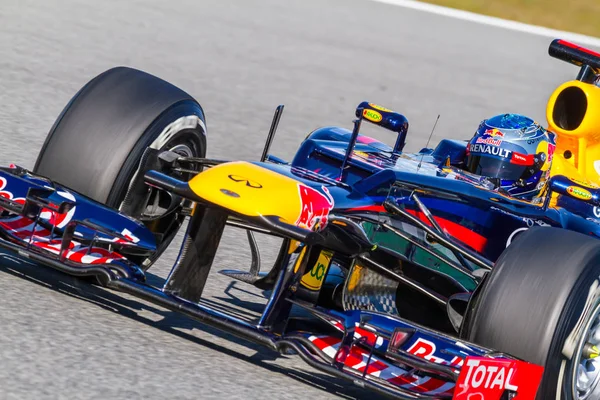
column 387, row 119
column 578, row 190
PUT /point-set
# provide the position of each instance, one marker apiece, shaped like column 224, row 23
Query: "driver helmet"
column 514, row 151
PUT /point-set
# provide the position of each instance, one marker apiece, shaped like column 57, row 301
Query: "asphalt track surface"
column 61, row 338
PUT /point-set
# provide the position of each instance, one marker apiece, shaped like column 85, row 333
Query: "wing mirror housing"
column 577, row 190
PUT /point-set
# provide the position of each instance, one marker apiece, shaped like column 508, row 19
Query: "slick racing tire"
column 110, row 134
column 541, row 303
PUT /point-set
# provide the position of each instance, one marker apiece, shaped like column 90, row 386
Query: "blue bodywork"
column 490, row 217
column 469, row 210
column 92, row 221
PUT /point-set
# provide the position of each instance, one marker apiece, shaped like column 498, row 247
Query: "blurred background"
column 575, row 16
column 239, row 59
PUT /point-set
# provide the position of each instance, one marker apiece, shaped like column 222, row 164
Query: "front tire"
column 109, row 135
column 541, row 303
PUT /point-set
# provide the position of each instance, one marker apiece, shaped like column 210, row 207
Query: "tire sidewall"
column 571, row 328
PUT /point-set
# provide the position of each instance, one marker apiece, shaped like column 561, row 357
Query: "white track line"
column 493, row 21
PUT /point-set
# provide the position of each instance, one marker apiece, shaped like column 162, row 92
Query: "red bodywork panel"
column 483, row 378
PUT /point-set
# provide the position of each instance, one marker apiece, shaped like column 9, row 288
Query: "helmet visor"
column 493, row 167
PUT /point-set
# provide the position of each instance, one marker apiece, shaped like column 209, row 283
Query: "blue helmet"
column 515, row 151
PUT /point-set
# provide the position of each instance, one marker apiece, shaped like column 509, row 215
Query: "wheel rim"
column 586, row 366
column 153, row 207
column 182, row 149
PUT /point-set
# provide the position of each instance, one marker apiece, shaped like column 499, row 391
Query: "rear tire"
column 109, row 134
column 539, row 303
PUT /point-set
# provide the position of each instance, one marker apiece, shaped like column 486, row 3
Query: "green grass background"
column 580, row 16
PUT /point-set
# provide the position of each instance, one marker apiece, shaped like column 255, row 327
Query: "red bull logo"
column 489, row 140
column 315, row 207
column 494, row 133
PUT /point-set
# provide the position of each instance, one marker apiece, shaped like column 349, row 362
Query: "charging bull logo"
column 314, row 207
column 494, row 133
column 491, row 137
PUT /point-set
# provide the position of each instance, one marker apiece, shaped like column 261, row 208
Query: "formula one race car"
column 403, row 273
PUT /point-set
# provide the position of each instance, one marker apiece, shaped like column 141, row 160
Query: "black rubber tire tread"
column 94, row 138
column 533, row 298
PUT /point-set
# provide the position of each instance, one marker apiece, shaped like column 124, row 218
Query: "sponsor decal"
column 372, row 115
column 489, row 375
column 490, row 141
column 313, row 279
column 246, row 181
column 314, row 207
column 377, row 107
column 489, row 378
column 596, row 212
column 426, row 349
column 494, row 133
column 487, row 149
column 579, row 192
column 521, row 159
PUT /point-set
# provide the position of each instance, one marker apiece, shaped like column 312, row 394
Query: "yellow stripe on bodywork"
column 249, row 189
